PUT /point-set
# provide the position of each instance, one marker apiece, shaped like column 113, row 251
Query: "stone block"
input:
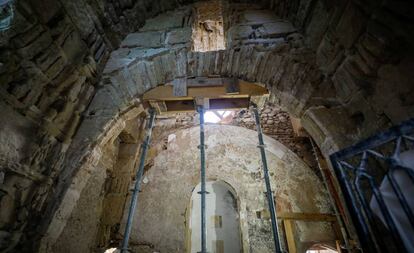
column 46, row 9
column 179, row 36
column 74, row 48
column 278, row 29
column 259, row 16
column 144, row 39
column 80, row 16
column 56, row 68
column 394, row 91
column 349, row 78
column 240, row 32
column 40, row 43
column 350, row 25
column 317, row 26
column 140, row 53
column 166, row 21
column 331, row 128
column 26, row 37
column 329, row 55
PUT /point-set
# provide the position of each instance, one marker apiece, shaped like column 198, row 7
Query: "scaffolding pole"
column 203, row 192
column 269, row 192
column 138, row 177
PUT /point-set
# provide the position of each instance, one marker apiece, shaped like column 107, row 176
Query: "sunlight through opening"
column 216, row 116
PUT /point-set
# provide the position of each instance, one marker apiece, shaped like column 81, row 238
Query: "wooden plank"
column 180, row 106
column 338, row 246
column 204, row 82
column 259, row 100
column 229, row 103
column 180, row 87
column 166, row 92
column 219, row 246
column 217, row 221
column 290, row 236
column 307, row 216
column 159, row 106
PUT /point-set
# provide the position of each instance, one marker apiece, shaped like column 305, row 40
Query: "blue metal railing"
column 377, row 179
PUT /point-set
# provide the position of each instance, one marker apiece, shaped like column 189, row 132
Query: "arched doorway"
column 223, row 225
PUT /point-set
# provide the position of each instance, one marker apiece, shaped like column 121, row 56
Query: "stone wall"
column 231, row 155
column 80, row 233
column 275, row 123
column 346, row 72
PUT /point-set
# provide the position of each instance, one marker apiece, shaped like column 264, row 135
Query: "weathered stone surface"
column 171, row 20
column 361, row 69
column 278, row 29
column 144, row 39
column 178, row 36
column 259, row 16
column 350, row 25
column 232, row 157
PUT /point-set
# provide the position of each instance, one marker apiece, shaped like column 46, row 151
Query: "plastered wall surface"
column 231, row 156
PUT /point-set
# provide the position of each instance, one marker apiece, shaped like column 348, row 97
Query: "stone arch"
column 127, row 76
column 279, row 60
column 81, row 167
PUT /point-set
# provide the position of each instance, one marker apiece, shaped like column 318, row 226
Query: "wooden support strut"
column 289, row 224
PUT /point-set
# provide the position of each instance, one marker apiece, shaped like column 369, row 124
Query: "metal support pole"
column 203, row 181
column 138, row 177
column 331, row 197
column 269, row 194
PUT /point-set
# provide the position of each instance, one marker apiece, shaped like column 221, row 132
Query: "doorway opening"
column 222, row 219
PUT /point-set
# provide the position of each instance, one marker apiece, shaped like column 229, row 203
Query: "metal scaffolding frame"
column 138, row 178
column 269, row 193
column 202, row 192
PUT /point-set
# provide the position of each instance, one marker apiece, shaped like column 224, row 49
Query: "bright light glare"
column 111, row 250
column 210, row 117
column 215, row 116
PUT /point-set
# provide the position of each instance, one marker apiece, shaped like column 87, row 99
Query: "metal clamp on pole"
column 203, row 192
column 138, row 177
column 269, row 194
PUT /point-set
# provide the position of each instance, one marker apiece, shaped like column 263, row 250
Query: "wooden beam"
column 290, row 236
column 205, row 81
column 338, row 246
column 180, row 106
column 159, row 106
column 307, row 216
column 166, row 92
column 229, row 103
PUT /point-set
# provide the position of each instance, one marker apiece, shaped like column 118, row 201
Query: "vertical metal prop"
column 269, row 194
column 203, row 192
column 331, row 197
column 138, row 177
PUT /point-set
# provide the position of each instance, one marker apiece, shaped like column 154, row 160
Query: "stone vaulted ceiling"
column 345, row 68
